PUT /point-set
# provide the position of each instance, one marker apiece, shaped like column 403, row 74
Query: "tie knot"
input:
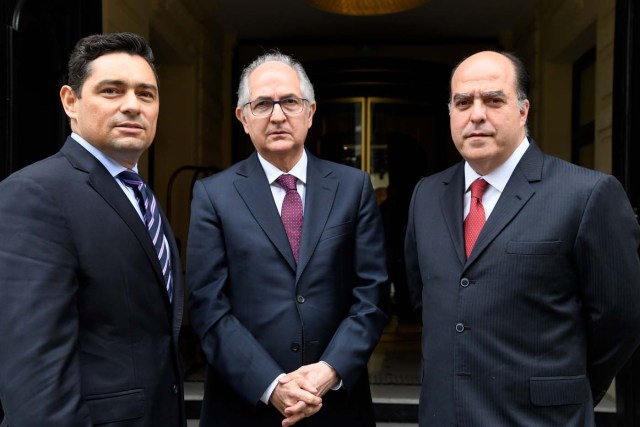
column 478, row 188
column 131, row 178
column 286, row 181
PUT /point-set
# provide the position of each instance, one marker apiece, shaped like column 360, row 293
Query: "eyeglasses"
column 291, row 105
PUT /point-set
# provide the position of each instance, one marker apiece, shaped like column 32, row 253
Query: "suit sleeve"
column 228, row 346
column 606, row 255
column 414, row 278
column 357, row 335
column 39, row 369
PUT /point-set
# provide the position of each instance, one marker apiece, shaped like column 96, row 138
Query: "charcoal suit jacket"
column 88, row 335
column 532, row 328
column 259, row 314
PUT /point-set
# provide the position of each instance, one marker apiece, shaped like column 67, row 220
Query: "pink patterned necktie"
column 291, row 212
column 475, row 219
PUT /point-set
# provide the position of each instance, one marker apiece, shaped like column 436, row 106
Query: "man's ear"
column 69, row 101
column 524, row 111
column 240, row 116
column 312, row 111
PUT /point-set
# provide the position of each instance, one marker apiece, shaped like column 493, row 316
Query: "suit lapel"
column 319, row 198
column 178, row 282
column 451, row 201
column 514, row 197
column 105, row 185
column 253, row 187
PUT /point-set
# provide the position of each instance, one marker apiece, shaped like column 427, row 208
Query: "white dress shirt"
column 497, row 180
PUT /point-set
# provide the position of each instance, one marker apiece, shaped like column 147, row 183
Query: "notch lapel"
column 514, row 197
column 451, row 203
column 320, row 196
column 106, row 186
column 254, row 189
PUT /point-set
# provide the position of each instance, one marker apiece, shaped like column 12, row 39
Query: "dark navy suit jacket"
column 532, row 328
column 259, row 314
column 88, row 335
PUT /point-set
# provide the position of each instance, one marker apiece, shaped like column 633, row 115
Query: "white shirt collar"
column 299, row 170
column 499, row 177
column 112, row 166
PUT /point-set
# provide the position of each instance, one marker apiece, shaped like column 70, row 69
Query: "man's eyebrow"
column 117, row 82
column 111, row 82
column 147, row 86
column 489, row 94
column 458, row 96
column 492, row 93
column 270, row 98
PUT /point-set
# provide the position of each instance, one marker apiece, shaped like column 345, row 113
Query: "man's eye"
column 110, row 91
column 292, row 102
column 262, row 104
column 462, row 103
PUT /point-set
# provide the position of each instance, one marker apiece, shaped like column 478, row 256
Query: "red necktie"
column 475, row 219
column 291, row 213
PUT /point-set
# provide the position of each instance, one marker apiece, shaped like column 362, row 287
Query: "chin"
column 283, row 145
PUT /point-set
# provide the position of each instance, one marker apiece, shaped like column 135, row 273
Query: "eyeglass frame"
column 273, row 106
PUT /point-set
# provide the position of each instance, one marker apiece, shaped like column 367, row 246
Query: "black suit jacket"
column 88, row 334
column 532, row 328
column 259, row 315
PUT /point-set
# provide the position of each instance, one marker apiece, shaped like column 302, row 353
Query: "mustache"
column 478, row 132
column 129, row 123
column 278, row 130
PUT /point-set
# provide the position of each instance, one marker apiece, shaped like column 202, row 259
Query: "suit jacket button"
column 295, row 347
column 300, row 299
column 464, row 282
column 459, row 327
column 174, row 389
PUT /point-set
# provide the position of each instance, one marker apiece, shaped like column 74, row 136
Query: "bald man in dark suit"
column 525, row 268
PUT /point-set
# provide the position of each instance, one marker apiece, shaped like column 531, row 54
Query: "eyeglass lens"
column 264, row 107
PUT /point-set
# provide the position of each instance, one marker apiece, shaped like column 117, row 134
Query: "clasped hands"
column 299, row 393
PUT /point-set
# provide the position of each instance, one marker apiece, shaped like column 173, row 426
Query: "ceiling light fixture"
column 365, row 7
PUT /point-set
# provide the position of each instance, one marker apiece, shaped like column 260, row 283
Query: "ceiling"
column 436, row 20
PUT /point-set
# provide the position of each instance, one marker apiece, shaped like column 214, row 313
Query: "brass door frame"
column 366, row 107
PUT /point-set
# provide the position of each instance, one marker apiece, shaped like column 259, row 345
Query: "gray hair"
column 306, row 88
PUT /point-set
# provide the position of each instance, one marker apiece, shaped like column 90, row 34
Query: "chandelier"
column 365, row 7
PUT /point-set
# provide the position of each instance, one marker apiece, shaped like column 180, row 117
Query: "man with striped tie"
column 90, row 281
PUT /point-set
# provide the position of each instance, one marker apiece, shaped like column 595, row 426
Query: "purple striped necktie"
column 153, row 221
column 291, row 212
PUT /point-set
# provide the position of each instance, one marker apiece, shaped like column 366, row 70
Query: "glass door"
column 338, row 132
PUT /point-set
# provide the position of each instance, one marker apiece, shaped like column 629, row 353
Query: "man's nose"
column 478, row 111
column 278, row 114
column 130, row 103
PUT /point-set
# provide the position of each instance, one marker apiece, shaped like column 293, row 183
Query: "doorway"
column 388, row 118
column 38, row 37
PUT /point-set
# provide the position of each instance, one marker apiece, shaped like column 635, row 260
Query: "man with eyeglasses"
column 286, row 270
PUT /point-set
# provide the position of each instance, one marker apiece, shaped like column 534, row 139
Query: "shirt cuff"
column 267, row 393
column 338, row 384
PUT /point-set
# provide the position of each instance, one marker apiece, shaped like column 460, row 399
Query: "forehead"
column 274, row 77
column 484, row 72
column 121, row 66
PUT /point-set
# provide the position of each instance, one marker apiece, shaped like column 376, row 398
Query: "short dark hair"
column 92, row 47
column 522, row 76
